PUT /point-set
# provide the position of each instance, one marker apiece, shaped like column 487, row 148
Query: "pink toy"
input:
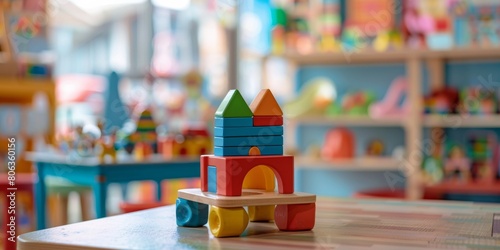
column 418, row 24
column 390, row 105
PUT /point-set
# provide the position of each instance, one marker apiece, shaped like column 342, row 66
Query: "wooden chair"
column 58, row 191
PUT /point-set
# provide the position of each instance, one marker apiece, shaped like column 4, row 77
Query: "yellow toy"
column 107, row 146
column 191, row 142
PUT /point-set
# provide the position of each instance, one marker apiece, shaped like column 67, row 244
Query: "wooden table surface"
column 355, row 224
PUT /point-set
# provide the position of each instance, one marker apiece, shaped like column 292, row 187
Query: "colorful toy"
column 107, row 147
column 457, row 166
column 443, row 101
column 433, row 170
column 390, row 105
column 477, row 100
column 330, row 26
column 145, row 136
column 315, row 98
column 365, row 22
column 428, row 24
column 387, row 40
column 356, row 103
column 339, row 144
column 223, row 177
column 487, row 20
column 375, row 148
column 191, row 142
column 278, row 32
column 482, row 151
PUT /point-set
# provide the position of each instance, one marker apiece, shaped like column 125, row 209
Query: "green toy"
column 233, row 105
column 356, row 103
column 433, row 169
column 315, row 97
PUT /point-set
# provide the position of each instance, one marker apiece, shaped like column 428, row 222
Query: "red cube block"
column 295, row 217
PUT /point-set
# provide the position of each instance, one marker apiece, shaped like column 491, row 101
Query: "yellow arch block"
column 260, row 177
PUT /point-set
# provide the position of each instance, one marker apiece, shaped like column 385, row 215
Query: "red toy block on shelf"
column 231, row 172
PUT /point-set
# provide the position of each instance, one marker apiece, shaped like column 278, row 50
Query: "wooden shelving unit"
column 346, row 120
column 462, row 121
column 7, row 61
column 395, row 56
column 20, row 91
column 413, row 123
column 358, row 164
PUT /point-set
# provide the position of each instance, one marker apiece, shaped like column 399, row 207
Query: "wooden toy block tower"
column 248, row 156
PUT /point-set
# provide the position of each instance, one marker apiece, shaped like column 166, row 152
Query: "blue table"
column 88, row 171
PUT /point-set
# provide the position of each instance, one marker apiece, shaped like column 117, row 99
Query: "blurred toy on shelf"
column 390, row 105
column 305, row 27
column 314, row 98
column 370, row 23
column 144, row 137
column 442, row 101
column 476, row 22
column 428, row 24
column 375, row 148
column 457, row 165
column 482, row 148
column 278, row 32
column 399, row 153
column 339, row 144
column 478, row 101
column 80, row 141
column 357, row 103
column 106, row 144
column 389, row 40
column 330, row 26
column 191, row 142
column 433, row 170
column 196, row 107
column 35, row 66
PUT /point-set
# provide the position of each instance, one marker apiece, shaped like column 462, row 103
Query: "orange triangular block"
column 265, row 104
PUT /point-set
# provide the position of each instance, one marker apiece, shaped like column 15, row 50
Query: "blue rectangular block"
column 233, row 122
column 243, row 151
column 248, row 131
column 212, row 179
column 273, row 140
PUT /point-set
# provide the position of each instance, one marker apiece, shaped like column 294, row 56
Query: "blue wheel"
column 190, row 213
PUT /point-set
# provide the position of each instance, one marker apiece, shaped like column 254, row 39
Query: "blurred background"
column 382, row 98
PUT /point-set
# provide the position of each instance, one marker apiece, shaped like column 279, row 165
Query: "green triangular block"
column 233, row 105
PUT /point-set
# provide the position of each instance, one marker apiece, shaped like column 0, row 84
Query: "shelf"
column 394, row 56
column 346, row 57
column 359, row 164
column 464, row 188
column 346, row 120
column 462, row 121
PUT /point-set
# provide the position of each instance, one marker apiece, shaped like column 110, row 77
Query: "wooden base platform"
column 249, row 197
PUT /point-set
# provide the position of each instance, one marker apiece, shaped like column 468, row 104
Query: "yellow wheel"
column 261, row 213
column 227, row 222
